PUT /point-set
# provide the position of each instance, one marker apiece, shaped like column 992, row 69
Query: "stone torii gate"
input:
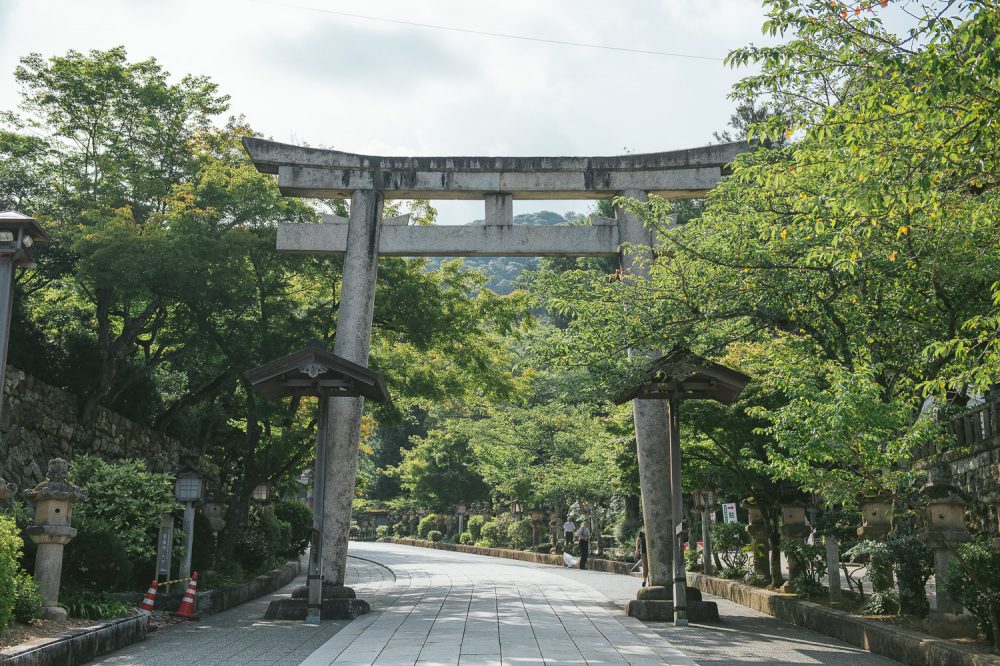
column 369, row 180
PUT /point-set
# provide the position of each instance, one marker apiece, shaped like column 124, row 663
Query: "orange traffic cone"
column 146, row 607
column 189, row 606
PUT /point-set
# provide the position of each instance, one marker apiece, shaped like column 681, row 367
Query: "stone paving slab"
column 241, row 635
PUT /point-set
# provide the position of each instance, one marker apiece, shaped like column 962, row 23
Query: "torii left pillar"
column 352, row 342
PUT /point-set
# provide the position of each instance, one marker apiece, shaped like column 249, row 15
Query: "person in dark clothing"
column 583, row 536
column 640, row 554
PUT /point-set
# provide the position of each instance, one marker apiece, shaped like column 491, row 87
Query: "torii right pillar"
column 652, row 424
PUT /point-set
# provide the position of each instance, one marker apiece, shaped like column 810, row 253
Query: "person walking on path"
column 568, row 529
column 583, row 536
column 640, row 554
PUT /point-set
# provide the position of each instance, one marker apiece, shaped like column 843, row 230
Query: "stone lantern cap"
column 7, row 490
column 56, row 485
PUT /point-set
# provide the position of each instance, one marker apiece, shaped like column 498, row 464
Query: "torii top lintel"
column 317, row 172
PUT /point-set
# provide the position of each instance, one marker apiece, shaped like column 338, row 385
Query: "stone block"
column 333, row 609
column 664, row 593
column 663, row 611
column 330, row 591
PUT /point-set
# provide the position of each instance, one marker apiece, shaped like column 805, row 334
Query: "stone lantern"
column 757, row 530
column 993, row 501
column 54, row 499
column 876, row 519
column 537, row 526
column 7, row 490
column 945, row 527
column 554, row 529
column 793, row 526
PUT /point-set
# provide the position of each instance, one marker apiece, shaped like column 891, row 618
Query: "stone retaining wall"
column 903, row 645
column 78, row 646
column 607, row 566
column 40, row 422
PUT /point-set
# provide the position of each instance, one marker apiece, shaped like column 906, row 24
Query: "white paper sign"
column 729, row 513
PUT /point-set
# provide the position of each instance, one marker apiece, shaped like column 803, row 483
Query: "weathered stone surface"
column 665, row 593
column 457, row 241
column 39, row 422
column 330, row 591
column 663, row 611
column 315, row 172
column 78, row 646
column 333, row 609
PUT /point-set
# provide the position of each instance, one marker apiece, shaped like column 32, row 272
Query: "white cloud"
column 369, row 86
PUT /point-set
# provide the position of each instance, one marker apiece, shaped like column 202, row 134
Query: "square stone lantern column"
column 757, row 529
column 945, row 527
column 793, row 526
column 54, row 499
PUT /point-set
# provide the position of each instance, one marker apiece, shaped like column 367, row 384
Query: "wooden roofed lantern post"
column 314, row 371
column 682, row 375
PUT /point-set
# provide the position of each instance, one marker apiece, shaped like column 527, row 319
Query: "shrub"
column 811, row 563
column 973, row 580
column 426, row 524
column 382, row 532
column 96, row 560
column 126, row 496
column 260, row 542
column 299, row 518
column 692, row 559
column 434, row 535
column 914, row 564
column 27, row 599
column 465, row 537
column 490, row 532
column 519, row 533
column 355, row 531
column 486, row 543
column 400, row 529
column 503, row 523
column 475, row 526
column 877, row 557
column 626, row 531
column 93, row 606
column 10, row 556
column 729, row 540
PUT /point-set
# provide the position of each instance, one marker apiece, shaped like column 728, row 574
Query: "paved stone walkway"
column 241, row 635
column 436, row 607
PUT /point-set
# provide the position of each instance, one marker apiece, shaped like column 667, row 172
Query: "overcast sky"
column 302, row 74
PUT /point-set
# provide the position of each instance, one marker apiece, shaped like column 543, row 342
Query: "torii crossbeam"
column 369, row 180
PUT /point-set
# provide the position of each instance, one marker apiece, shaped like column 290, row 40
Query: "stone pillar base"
column 663, row 611
column 664, row 593
column 333, row 609
column 330, row 591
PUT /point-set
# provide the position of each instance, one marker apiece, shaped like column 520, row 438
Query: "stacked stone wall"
column 40, row 421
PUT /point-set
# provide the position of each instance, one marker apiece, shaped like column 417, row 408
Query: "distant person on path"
column 640, row 554
column 583, row 536
column 568, row 529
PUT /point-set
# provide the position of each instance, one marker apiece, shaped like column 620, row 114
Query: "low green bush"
column 503, row 529
column 810, row 560
column 519, row 533
column 299, row 519
column 692, row 560
column 490, row 531
column 93, row 606
column 434, row 535
column 355, row 531
column 486, row 543
column 475, row 526
column 729, row 541
column 465, row 538
column 261, row 541
column 382, row 532
column 400, row 530
column 973, row 580
column 96, row 560
column 10, row 557
column 426, row 524
column 27, row 599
